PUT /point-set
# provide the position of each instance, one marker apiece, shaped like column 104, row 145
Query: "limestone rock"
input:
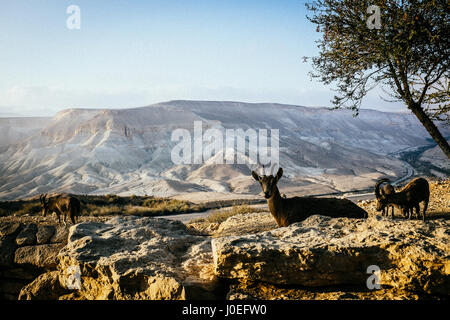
column 136, row 258
column 202, row 228
column 39, row 256
column 44, row 234
column 76, row 295
column 44, row 287
column 244, row 290
column 8, row 234
column 7, row 247
column 9, row 229
column 60, row 235
column 323, row 251
column 27, row 236
column 248, row 223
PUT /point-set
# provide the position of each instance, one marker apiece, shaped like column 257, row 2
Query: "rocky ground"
column 244, row 257
column 325, row 258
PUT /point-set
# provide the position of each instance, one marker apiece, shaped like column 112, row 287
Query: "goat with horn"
column 62, row 205
column 289, row 210
column 383, row 187
column 416, row 191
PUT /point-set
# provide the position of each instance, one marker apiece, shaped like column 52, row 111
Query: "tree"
column 402, row 46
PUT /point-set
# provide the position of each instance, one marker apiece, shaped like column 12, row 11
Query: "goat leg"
column 425, row 206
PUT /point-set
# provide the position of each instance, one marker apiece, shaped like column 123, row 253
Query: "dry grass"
column 20, row 207
column 106, row 205
column 141, row 206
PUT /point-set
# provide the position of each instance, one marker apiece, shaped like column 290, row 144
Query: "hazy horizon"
column 49, row 114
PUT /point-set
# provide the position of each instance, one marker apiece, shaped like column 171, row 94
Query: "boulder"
column 44, row 287
column 27, row 236
column 25, row 252
column 247, row 223
column 39, row 256
column 7, row 247
column 136, row 258
column 8, row 229
column 323, row 251
column 8, row 234
column 245, row 290
column 60, row 235
column 44, row 234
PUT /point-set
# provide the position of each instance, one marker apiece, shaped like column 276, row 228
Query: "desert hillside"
column 128, row 151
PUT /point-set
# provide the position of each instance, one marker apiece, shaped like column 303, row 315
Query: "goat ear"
column 255, row 176
column 279, row 173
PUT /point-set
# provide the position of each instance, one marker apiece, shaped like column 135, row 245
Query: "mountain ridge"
column 125, row 151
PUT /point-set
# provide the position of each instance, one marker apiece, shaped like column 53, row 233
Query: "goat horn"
column 377, row 186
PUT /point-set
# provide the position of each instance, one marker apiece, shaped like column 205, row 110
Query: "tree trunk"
column 431, row 128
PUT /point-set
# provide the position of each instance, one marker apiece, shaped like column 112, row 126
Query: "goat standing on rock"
column 290, row 210
column 382, row 188
column 416, row 191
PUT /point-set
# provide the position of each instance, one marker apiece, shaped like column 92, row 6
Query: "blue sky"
column 135, row 53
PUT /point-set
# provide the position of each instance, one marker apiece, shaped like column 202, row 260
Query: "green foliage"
column 409, row 55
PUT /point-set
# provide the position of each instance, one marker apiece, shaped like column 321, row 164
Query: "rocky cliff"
column 138, row 258
column 322, row 252
column 319, row 258
column 26, row 251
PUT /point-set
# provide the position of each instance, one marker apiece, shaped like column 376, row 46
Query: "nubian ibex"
column 289, row 210
column 415, row 192
column 383, row 187
column 61, row 205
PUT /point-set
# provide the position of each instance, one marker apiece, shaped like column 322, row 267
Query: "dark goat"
column 416, row 191
column 61, row 204
column 382, row 188
column 290, row 210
